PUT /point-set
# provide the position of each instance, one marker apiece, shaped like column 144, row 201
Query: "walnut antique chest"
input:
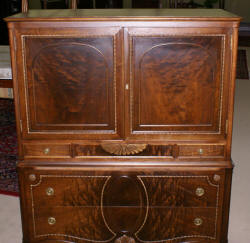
column 124, row 121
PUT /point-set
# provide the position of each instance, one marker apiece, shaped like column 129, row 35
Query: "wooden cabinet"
column 124, row 124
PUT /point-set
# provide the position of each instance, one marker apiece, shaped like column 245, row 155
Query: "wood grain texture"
column 162, row 78
column 174, row 82
column 201, row 151
column 174, row 191
column 47, row 150
column 178, row 224
column 64, row 93
column 142, row 204
column 150, row 150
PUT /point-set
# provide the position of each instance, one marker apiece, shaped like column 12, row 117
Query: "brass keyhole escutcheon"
column 200, row 192
column 198, row 221
column 50, row 191
column 51, row 221
column 46, row 151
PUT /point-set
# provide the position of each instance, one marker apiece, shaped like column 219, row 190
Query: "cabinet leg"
column 226, row 206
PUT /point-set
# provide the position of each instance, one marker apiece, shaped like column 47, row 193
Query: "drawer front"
column 77, row 224
column 78, row 204
column 47, row 150
column 201, row 151
column 178, row 223
column 123, row 190
column 180, row 191
column 101, row 224
column 68, row 190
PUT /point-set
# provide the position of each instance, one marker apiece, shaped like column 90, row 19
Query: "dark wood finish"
column 159, row 83
column 87, row 72
column 94, row 201
column 173, row 83
column 6, row 83
column 47, row 150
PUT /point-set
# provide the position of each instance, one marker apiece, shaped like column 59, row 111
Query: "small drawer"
column 201, row 151
column 47, row 150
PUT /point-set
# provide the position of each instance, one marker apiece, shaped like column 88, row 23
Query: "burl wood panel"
column 97, row 150
column 166, row 224
column 174, row 191
column 70, row 83
column 78, row 224
column 176, row 83
column 104, row 205
column 69, row 190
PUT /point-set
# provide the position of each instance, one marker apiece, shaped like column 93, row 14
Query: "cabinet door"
column 176, row 81
column 71, row 82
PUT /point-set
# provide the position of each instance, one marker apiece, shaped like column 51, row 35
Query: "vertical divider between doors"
column 126, row 76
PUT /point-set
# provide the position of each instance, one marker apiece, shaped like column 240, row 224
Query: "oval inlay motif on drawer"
column 124, row 201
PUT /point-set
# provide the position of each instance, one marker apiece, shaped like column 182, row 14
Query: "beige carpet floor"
column 239, row 228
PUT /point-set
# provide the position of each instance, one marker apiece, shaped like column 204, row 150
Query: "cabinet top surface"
column 124, row 14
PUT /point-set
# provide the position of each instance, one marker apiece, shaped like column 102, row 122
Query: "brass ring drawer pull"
column 51, row 221
column 198, row 221
column 46, row 151
column 200, row 151
column 200, row 192
column 50, row 191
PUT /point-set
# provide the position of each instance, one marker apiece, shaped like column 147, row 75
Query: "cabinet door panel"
column 71, row 84
column 176, row 83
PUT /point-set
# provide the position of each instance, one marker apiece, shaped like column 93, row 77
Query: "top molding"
column 125, row 15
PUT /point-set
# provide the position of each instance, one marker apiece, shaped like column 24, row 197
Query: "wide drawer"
column 103, row 224
column 126, row 190
column 47, row 150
